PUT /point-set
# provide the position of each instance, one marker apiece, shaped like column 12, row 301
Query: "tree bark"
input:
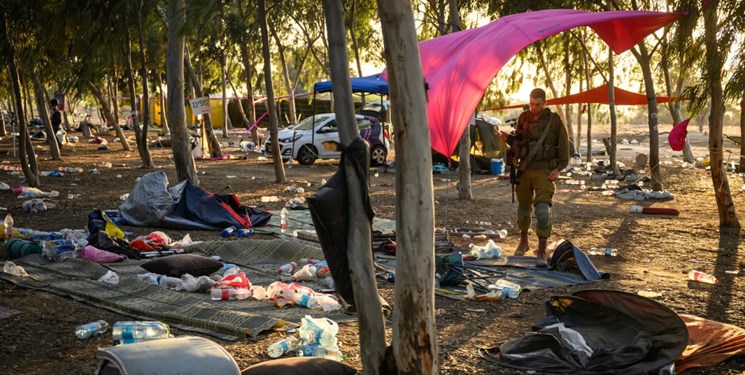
column 224, row 74
column 183, row 159
column 613, row 121
column 414, row 333
column 107, row 114
column 286, row 78
column 27, row 156
column 589, row 114
column 147, row 160
column 367, row 300
column 654, row 134
column 214, row 144
column 145, row 89
column 279, row 171
column 742, row 135
column 568, row 91
column 248, row 69
column 163, row 108
column 674, row 105
column 580, row 81
column 41, row 103
column 714, row 63
column 464, row 148
column 115, row 94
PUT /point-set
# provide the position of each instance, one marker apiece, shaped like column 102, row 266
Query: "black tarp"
column 329, row 209
column 599, row 332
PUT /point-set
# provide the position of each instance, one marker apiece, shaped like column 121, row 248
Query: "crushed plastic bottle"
column 508, row 288
column 702, row 277
column 269, row 199
column 89, row 330
column 283, row 220
column 224, row 294
column 8, row 222
column 491, row 250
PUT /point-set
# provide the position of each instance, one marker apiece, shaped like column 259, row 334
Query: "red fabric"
column 599, row 95
column 677, row 137
column 236, row 280
column 660, row 211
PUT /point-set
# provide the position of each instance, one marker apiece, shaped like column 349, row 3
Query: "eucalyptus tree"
column 279, row 171
column 15, row 26
column 723, row 21
column 243, row 31
column 182, row 156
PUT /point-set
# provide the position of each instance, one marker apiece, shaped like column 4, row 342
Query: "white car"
column 304, row 141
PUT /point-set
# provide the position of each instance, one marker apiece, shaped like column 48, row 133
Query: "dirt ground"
column 655, row 253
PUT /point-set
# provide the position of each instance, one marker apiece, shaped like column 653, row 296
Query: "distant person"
column 540, row 148
column 56, row 120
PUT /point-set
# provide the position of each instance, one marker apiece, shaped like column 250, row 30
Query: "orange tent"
column 597, row 95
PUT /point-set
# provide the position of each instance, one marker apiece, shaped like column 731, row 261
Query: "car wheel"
column 377, row 155
column 306, row 155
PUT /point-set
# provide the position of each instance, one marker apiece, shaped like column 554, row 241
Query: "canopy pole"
column 313, row 126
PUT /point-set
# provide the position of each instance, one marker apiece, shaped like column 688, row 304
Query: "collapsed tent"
column 458, row 67
column 185, row 206
column 599, row 332
column 598, row 95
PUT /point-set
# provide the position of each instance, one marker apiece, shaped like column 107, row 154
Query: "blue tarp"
column 373, row 84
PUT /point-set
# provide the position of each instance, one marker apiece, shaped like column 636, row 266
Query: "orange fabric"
column 597, row 95
column 709, row 343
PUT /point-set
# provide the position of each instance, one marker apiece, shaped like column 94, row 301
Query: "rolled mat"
column 17, row 248
column 654, row 210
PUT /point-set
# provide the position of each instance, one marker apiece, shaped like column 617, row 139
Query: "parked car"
column 304, row 141
column 378, row 109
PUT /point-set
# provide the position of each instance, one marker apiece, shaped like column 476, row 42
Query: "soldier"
column 540, row 149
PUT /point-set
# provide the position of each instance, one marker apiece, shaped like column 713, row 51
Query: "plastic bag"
column 11, row 269
column 110, row 278
column 236, row 281
column 199, row 284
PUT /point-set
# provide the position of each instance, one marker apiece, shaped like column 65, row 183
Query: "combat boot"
column 541, row 253
column 523, row 246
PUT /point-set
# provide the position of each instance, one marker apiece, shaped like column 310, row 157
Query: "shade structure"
column 458, row 67
column 598, row 95
column 373, row 84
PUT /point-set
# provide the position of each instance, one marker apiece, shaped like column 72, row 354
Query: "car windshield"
column 307, row 123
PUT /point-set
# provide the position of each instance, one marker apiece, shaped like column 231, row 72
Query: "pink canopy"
column 460, row 66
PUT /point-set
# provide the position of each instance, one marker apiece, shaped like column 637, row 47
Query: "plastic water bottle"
column 136, row 331
column 244, row 232
column 306, row 350
column 283, row 220
column 607, row 251
column 91, row 329
column 227, row 232
column 219, row 294
column 702, row 277
column 289, row 164
column 58, row 250
column 509, row 289
column 8, row 227
column 279, row 348
column 288, row 268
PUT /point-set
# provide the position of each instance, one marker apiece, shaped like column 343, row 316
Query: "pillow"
column 177, row 265
column 300, row 366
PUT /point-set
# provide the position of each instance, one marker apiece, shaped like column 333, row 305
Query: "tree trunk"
column 145, row 89
column 214, row 144
column 674, row 106
column 464, row 148
column 589, row 114
column 41, row 103
column 224, row 101
column 613, row 123
column 742, row 135
column 414, row 333
column 355, row 44
column 107, row 114
column 568, row 91
column 163, row 108
column 29, row 102
column 147, row 160
column 115, row 94
column 279, row 171
column 183, row 159
column 551, row 86
column 578, row 139
column 367, row 300
column 248, row 69
column 286, row 78
column 714, row 63
column 654, row 134
column 27, row 156
column 3, row 131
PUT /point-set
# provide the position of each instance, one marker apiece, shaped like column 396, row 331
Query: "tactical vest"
column 528, row 133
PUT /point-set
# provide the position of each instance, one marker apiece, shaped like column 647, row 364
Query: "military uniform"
column 534, row 188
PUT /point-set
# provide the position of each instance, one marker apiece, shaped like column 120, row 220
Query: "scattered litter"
column 491, row 250
column 73, row 196
column 649, row 293
column 702, row 277
column 228, row 176
column 37, row 205
column 124, row 196
column 294, row 190
column 118, row 176
column 654, row 210
column 269, row 198
column 110, row 278
column 11, row 269
column 4, row 186
column 476, row 310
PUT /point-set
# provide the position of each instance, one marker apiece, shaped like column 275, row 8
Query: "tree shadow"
column 722, row 294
